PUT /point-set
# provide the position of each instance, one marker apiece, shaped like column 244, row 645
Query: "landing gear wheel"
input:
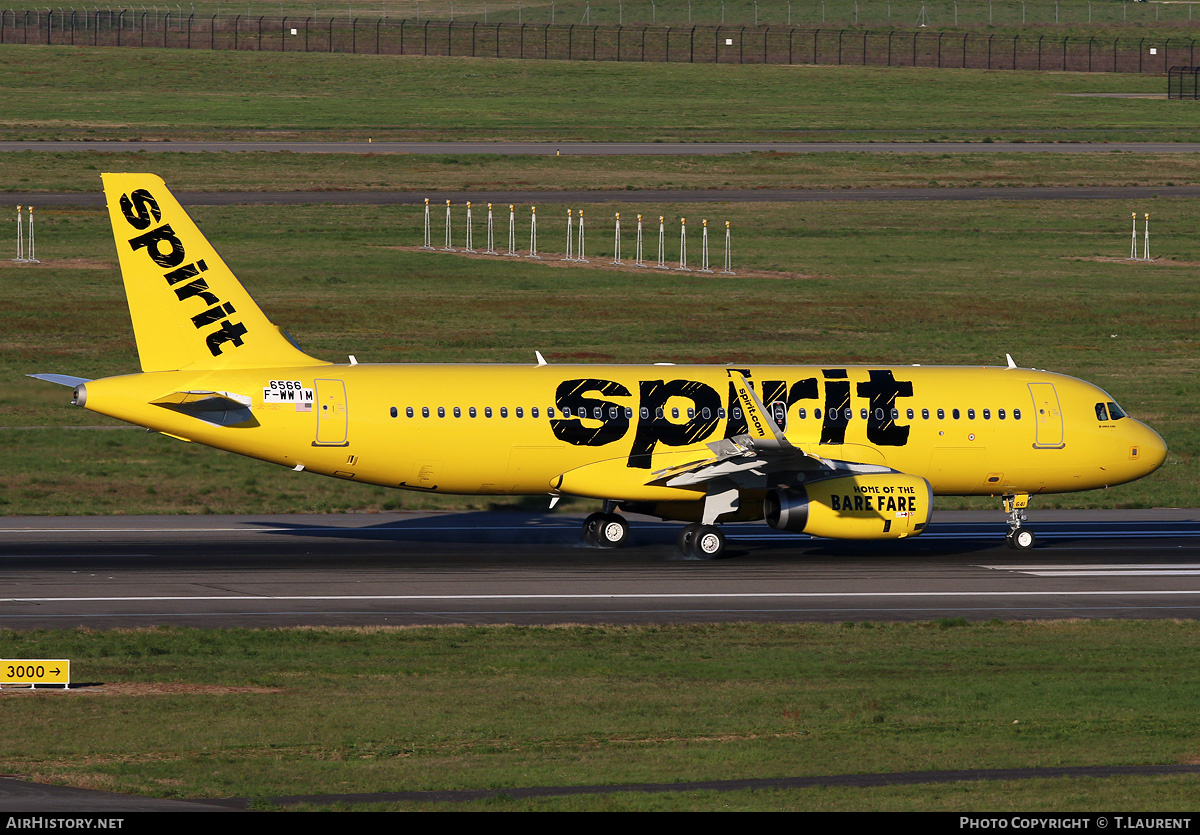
column 708, row 543
column 1022, row 539
column 591, row 528
column 687, row 538
column 612, row 531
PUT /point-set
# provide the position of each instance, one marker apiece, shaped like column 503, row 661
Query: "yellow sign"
column 34, row 671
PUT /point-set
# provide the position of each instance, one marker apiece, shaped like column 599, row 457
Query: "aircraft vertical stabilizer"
column 189, row 311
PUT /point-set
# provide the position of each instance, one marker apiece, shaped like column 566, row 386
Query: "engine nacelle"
column 869, row 506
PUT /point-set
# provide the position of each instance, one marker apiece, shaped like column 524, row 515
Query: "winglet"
column 760, row 428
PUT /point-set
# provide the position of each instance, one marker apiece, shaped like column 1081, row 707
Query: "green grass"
column 937, row 282
column 29, row 171
column 176, row 94
column 879, row 14
column 186, row 713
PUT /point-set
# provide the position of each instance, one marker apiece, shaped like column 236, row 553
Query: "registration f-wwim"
column 851, row 452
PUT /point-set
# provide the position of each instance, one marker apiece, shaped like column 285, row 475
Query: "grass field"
column 423, row 174
column 175, row 94
column 254, row 713
column 1065, row 15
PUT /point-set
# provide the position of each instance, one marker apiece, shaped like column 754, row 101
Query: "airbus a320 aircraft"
column 853, row 452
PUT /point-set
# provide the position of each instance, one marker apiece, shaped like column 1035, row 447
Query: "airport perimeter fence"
column 1183, row 83
column 565, row 42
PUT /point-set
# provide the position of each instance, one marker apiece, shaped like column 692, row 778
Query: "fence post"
column 1090, row 40
column 235, row 31
column 619, row 28
column 766, row 32
column 354, row 36
column 990, row 50
column 816, row 33
column 523, row 25
column 1064, row 61
column 120, row 26
column 692, row 46
column 260, row 20
column 864, row 46
column 1040, row 50
column 840, row 33
column 402, row 22
column 914, row 61
column 425, row 43
column 379, row 23
column 741, row 37
column 450, row 38
column 1014, row 61
column 189, row 42
column 570, row 41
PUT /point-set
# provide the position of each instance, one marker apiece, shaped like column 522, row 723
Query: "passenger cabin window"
column 941, row 414
column 987, row 414
column 503, row 411
column 424, row 411
column 924, row 414
column 1000, row 414
column 970, row 414
column 408, row 412
column 457, row 412
column 487, row 411
column 441, row 411
column 645, row 413
column 862, row 414
column 955, row 414
column 520, row 412
column 394, row 412
column 910, row 414
column 1016, row 414
column 803, row 413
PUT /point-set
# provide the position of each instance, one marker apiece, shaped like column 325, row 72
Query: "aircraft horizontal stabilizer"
column 60, row 379
column 220, row 408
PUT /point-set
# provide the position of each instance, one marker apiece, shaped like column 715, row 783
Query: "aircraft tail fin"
column 188, row 308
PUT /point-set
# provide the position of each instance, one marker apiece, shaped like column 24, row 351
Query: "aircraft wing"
column 763, row 449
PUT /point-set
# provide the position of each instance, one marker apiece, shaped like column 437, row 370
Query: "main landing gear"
column 605, row 530
column 705, row 542
column 1018, row 538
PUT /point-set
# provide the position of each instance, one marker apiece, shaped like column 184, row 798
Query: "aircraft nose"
column 1147, row 447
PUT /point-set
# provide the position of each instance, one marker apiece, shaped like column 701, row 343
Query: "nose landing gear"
column 1018, row 538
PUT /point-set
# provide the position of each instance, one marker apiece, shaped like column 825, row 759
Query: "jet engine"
column 867, row 506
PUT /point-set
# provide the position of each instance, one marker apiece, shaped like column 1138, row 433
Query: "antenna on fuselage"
column 1011, row 364
column 541, row 360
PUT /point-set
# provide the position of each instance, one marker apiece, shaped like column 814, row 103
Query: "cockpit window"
column 1101, row 412
column 1116, row 411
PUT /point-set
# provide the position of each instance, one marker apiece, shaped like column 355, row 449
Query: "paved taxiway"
column 510, row 567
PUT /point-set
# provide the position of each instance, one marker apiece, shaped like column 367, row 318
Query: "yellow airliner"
column 853, row 452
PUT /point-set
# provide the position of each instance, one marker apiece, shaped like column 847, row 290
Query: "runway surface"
column 413, row 568
column 611, row 148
